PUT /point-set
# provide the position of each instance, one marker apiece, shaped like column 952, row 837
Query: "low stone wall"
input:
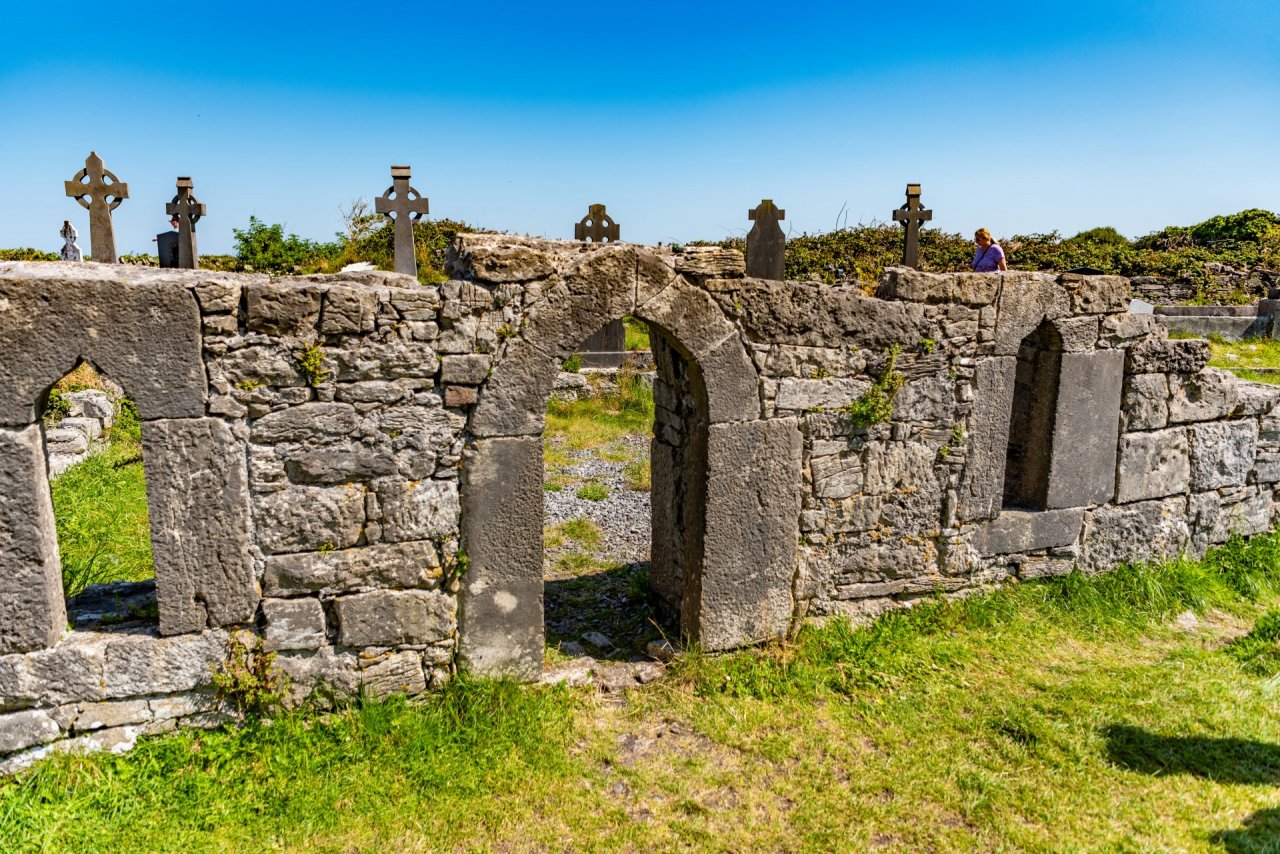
column 90, row 413
column 1220, row 282
column 350, row 466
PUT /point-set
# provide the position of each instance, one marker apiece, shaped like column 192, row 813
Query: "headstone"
column 188, row 209
column 69, row 251
column 606, row 348
column 403, row 205
column 91, row 187
column 911, row 215
column 167, row 249
column 766, row 244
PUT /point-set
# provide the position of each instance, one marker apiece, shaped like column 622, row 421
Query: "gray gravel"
column 624, row 516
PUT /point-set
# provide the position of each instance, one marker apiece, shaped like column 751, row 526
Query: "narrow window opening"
column 1035, row 400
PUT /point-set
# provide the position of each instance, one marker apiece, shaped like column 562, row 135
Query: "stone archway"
column 745, row 476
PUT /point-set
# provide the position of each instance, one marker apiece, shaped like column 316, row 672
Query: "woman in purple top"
column 988, row 257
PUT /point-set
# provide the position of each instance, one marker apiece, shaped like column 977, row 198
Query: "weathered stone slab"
column 975, row 289
column 390, row 617
column 1153, row 465
column 198, row 498
column 1022, row 531
column 111, row 713
column 982, row 482
column 1255, row 398
column 1083, row 467
column 837, row 475
column 1157, row 356
column 20, row 730
column 796, row 394
column 1097, row 294
column 282, row 307
column 1205, row 396
column 1146, row 401
column 414, row 564
column 710, row 261
column 817, row 315
column 1026, row 301
column 140, row 664
column 349, row 310
column 144, row 336
column 1214, row 520
column 500, row 620
column 499, row 258
column 514, row 400
column 418, row 510
column 310, row 518
column 752, row 530
column 32, row 612
column 1145, row 530
column 307, row 423
column 472, row 369
column 1222, row 453
column 293, row 624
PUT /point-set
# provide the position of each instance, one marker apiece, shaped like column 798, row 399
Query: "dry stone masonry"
column 350, row 467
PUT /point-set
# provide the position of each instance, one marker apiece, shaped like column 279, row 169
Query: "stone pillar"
column 1082, row 470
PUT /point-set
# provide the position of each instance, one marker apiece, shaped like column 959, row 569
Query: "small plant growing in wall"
column 875, row 405
column 572, row 365
column 311, row 363
column 248, row 680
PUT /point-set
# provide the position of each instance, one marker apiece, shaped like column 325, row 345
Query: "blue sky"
column 1016, row 116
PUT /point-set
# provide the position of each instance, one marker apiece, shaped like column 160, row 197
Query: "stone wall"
column 350, row 466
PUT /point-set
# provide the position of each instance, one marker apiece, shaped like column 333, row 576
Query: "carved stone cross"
column 91, row 190
column 911, row 215
column 403, row 205
column 596, row 227
column 188, row 209
column 69, row 251
column 766, row 244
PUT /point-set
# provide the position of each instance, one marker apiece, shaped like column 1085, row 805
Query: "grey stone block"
column 293, row 624
column 1131, row 533
column 1255, row 398
column 982, row 481
column 391, row 617
column 20, row 730
column 1214, row 520
column 1022, row 531
column 501, row 622
column 903, row 283
column 1204, row 396
column 32, row 611
column 1158, row 356
column 387, row 359
column 514, row 400
column 471, row 369
column 689, row 317
column 797, row 394
column 818, row 315
column 282, row 307
column 144, row 336
column 752, row 529
column 1079, row 334
column 310, row 422
column 710, row 261
column 1026, row 301
column 140, row 664
column 1146, row 401
column 1083, row 467
column 198, row 498
column 112, row 713
column 730, row 381
column 1153, row 465
column 398, row 673
column 345, row 463
column 1097, row 294
column 391, row 565
column 1222, row 453
column 499, row 258
column 418, row 510
column 310, row 518
column 350, row 310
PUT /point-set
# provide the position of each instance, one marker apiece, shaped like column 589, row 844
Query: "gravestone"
column 606, row 348
column 167, row 249
column 911, row 215
column 766, row 244
column 403, row 205
column 188, row 209
column 69, row 251
column 91, row 187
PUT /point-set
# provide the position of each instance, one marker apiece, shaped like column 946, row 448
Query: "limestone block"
column 930, row 400
column 894, row 466
column 689, row 316
column 1021, row 531
column 752, row 530
column 1214, row 520
column 1159, row 356
column 217, row 295
column 803, row 395
column 349, row 310
column 335, row 671
column 293, row 624
column 1266, row 466
column 1079, row 334
column 818, row 315
column 1255, row 398
column 1204, row 396
column 1222, row 453
column 414, row 564
column 1153, row 465
column 472, row 369
column 283, row 308
column 1097, row 294
column 272, row 367
column 655, row 271
column 398, row 673
column 69, row 672
column 418, row 510
column 141, row 664
column 903, row 283
column 389, row 359
column 1146, row 401
column 982, row 481
column 1143, row 531
column 837, row 476
column 1082, row 470
column 501, row 622
column 390, row 617
column 343, row 463
column 20, row 730
column 145, row 336
column 198, row 499
column 1026, row 300
column 786, row 360
column 514, row 400
column 90, row 428
column 111, row 713
column 500, row 258
column 1121, row 328
column 710, row 261
column 91, row 403
column 308, row 518
column 731, row 383
column 32, row 612
column 416, row 304
column 70, row 443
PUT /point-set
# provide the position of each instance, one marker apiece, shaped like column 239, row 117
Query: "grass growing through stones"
column 1063, row 715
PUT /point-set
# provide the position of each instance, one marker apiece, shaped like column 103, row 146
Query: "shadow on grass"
column 1223, row 760
column 1259, row 833
column 615, row 602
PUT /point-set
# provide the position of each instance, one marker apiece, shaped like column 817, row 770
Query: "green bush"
column 267, row 249
column 28, row 254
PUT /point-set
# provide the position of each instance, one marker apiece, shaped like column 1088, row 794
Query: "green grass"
column 593, row 492
column 637, row 334
column 100, row 508
column 595, row 421
column 1244, row 358
column 582, row 531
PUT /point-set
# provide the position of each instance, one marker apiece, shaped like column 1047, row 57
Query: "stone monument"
column 69, row 251
column 606, row 348
column 91, row 187
column 911, row 215
column 188, row 210
column 766, row 244
column 403, row 205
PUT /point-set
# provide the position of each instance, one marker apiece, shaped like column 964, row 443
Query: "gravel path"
column 623, row 516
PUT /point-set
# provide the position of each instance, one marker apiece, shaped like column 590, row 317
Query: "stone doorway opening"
column 1032, row 420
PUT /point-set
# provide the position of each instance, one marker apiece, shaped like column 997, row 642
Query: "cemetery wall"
column 349, row 467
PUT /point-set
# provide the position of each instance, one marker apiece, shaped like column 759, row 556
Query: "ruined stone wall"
column 350, row 466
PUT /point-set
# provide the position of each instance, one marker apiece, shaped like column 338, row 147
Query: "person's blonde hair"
column 983, row 234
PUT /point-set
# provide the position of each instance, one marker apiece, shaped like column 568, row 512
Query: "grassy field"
column 1246, row 358
column 1069, row 715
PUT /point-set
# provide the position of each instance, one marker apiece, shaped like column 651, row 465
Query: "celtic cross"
column 766, row 244
column 597, row 226
column 403, row 205
column 91, row 187
column 188, row 209
column 911, row 215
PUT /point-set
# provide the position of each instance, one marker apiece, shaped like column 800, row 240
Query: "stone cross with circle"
column 91, row 187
